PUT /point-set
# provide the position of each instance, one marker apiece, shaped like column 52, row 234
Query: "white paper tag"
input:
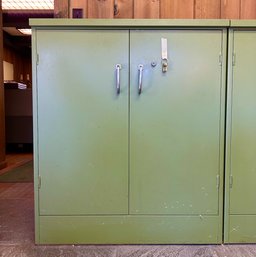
column 164, row 48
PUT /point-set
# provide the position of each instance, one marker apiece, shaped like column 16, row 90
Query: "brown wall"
column 186, row 9
column 21, row 63
column 2, row 116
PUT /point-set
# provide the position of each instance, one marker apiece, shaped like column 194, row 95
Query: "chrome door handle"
column 118, row 68
column 140, row 78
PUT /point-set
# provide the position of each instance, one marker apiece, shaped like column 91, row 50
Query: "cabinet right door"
column 176, row 122
column 240, row 225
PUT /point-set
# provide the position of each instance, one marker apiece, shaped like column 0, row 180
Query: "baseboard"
column 3, row 164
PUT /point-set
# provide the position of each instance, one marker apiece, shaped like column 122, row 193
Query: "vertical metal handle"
column 118, row 68
column 140, row 78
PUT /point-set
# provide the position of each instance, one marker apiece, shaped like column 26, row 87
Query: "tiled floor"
column 17, row 236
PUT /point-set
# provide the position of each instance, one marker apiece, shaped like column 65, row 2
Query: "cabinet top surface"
column 243, row 23
column 129, row 23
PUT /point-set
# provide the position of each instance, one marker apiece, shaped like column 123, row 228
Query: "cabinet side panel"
column 35, row 132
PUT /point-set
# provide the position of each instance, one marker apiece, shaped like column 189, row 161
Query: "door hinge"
column 220, row 59
column 39, row 182
column 37, row 59
column 233, row 59
column 231, row 181
column 218, row 181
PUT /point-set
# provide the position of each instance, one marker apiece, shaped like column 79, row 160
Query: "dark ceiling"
column 19, row 18
column 15, row 19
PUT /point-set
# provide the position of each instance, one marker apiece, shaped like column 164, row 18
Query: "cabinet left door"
column 82, row 122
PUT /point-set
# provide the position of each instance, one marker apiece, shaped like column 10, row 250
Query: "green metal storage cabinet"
column 129, row 130
column 240, row 209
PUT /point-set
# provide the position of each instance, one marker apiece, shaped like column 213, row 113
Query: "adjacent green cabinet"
column 240, row 209
column 125, row 151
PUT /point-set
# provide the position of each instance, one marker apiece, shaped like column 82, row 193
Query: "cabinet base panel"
column 242, row 229
column 129, row 230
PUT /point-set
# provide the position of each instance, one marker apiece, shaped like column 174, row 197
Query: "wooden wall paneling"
column 81, row 4
column 61, row 8
column 27, row 71
column 123, row 9
column 207, row 9
column 248, row 9
column 177, row 9
column 18, row 69
column 230, row 9
column 8, row 55
column 101, row 9
column 21, row 64
column 11, row 56
column 2, row 112
column 146, row 9
column 23, row 70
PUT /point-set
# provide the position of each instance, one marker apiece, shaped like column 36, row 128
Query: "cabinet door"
column 82, row 122
column 242, row 140
column 176, row 123
column 243, row 144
